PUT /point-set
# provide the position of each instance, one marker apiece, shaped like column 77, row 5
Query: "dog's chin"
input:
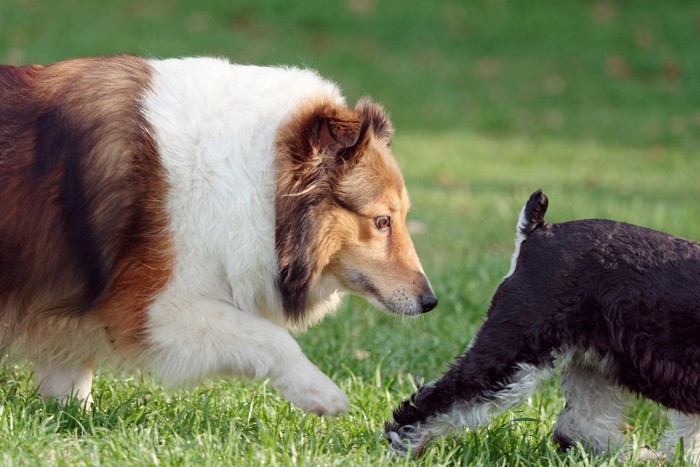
column 400, row 303
column 403, row 309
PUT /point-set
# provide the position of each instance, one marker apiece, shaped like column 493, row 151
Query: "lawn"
column 596, row 102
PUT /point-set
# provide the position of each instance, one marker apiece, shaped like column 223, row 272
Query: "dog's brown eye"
column 382, row 222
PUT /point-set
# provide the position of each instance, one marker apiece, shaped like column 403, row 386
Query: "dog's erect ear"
column 334, row 131
column 375, row 116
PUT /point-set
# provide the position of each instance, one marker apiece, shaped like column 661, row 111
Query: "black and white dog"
column 615, row 305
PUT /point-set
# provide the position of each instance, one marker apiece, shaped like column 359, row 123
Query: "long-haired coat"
column 184, row 215
column 615, row 305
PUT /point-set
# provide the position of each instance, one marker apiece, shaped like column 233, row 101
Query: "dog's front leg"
column 498, row 372
column 194, row 339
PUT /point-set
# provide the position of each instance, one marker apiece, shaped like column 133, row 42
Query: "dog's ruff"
column 185, row 215
column 615, row 305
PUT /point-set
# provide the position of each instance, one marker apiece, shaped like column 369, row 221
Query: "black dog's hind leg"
column 594, row 410
column 687, row 428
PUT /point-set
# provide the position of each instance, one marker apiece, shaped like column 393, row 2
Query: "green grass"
column 596, row 102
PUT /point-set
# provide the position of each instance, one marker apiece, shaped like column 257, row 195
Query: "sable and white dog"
column 616, row 305
column 184, row 215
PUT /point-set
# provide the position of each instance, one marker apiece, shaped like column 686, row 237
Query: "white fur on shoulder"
column 216, row 138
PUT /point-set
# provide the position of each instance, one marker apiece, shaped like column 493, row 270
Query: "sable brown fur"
column 82, row 220
column 317, row 150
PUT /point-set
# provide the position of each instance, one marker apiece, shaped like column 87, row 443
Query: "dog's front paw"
column 318, row 395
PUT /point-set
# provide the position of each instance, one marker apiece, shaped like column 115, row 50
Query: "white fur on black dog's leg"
column 461, row 415
column 594, row 410
column 685, row 428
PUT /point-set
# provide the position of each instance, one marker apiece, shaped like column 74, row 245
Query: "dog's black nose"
column 428, row 302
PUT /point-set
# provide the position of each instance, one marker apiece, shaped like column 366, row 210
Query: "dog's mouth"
column 400, row 300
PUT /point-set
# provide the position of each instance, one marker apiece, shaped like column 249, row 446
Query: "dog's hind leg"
column 686, row 428
column 594, row 410
column 65, row 380
column 63, row 351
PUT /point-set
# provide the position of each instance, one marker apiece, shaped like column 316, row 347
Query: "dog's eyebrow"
column 345, row 204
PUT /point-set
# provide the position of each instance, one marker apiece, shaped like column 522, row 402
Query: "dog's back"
column 81, row 218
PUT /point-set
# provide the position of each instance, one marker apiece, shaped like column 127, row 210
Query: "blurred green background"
column 625, row 72
column 597, row 102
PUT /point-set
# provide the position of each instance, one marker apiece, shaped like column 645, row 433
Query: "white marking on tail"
column 519, row 237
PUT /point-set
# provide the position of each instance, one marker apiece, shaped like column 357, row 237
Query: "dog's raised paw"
column 319, row 396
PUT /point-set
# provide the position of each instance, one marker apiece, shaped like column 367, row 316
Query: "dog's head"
column 341, row 211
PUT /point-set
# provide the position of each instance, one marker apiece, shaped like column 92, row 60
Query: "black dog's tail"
column 533, row 212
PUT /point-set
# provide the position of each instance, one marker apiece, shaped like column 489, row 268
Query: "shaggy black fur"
column 628, row 293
